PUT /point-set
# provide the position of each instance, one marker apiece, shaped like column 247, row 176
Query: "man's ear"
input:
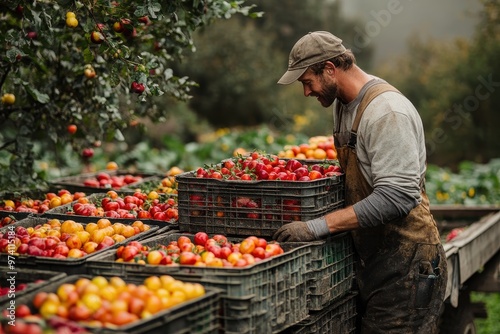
column 329, row 67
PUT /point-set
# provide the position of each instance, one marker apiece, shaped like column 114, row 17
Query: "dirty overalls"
column 400, row 266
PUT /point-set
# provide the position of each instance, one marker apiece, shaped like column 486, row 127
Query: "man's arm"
column 342, row 220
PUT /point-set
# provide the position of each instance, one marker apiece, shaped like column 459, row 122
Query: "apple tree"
column 78, row 72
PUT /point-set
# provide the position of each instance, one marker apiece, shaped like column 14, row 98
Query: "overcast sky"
column 388, row 23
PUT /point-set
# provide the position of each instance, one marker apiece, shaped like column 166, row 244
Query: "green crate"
column 70, row 266
column 216, row 206
column 30, row 279
column 337, row 318
column 332, row 270
column 266, row 297
column 199, row 315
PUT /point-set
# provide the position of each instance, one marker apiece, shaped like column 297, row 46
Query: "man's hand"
column 294, row 231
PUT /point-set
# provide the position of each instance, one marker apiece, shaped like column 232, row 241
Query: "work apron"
column 400, row 266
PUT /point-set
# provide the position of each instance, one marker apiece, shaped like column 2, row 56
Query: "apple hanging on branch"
column 8, row 99
column 72, row 129
column 137, row 87
column 87, row 153
column 97, row 37
column 89, row 72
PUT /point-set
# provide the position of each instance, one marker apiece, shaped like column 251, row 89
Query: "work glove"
column 298, row 231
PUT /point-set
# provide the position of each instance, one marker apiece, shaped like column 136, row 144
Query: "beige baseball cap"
column 311, row 49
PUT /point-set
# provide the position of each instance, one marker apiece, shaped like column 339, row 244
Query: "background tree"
column 92, row 64
column 238, row 63
column 455, row 88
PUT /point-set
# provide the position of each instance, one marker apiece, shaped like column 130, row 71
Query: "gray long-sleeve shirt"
column 391, row 154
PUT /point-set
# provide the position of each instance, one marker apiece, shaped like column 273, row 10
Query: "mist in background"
column 443, row 19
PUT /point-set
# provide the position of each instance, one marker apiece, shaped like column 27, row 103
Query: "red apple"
column 214, row 248
column 200, row 238
column 22, row 249
column 224, row 252
column 137, row 88
column 72, row 129
column 129, row 252
column 37, row 242
column 107, row 241
column 34, row 251
column 88, row 153
column 51, row 242
column 61, row 249
column 32, row 35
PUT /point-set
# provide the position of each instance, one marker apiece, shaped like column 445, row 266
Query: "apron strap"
column 370, row 94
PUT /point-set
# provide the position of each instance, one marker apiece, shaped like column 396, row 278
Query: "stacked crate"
column 265, row 297
column 305, row 289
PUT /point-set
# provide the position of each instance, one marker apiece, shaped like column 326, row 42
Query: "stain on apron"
column 400, row 266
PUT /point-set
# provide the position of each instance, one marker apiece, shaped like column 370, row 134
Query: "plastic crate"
column 338, row 318
column 18, row 195
column 152, row 183
column 221, row 206
column 32, row 279
column 199, row 315
column 332, row 270
column 66, row 212
column 76, row 182
column 70, row 266
column 266, row 297
column 16, row 216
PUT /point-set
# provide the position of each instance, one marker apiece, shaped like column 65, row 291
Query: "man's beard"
column 328, row 94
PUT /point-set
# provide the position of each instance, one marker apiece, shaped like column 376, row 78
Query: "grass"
column 490, row 325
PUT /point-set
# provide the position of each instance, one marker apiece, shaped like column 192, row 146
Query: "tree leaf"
column 37, row 95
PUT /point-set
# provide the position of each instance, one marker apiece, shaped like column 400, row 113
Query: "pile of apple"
column 106, row 180
column 202, row 250
column 317, row 148
column 4, row 221
column 258, row 166
column 35, row 324
column 68, row 239
column 98, row 301
column 38, row 206
column 18, row 287
column 135, row 206
column 167, row 185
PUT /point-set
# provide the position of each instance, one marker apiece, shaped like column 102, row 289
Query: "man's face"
column 320, row 86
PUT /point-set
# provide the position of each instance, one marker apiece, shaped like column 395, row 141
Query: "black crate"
column 199, row 315
column 265, row 297
column 15, row 216
column 337, row 318
column 25, row 279
column 18, row 195
column 332, row 270
column 221, row 206
column 76, row 182
column 66, row 212
column 70, row 266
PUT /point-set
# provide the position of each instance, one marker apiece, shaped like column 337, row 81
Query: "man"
column 400, row 262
